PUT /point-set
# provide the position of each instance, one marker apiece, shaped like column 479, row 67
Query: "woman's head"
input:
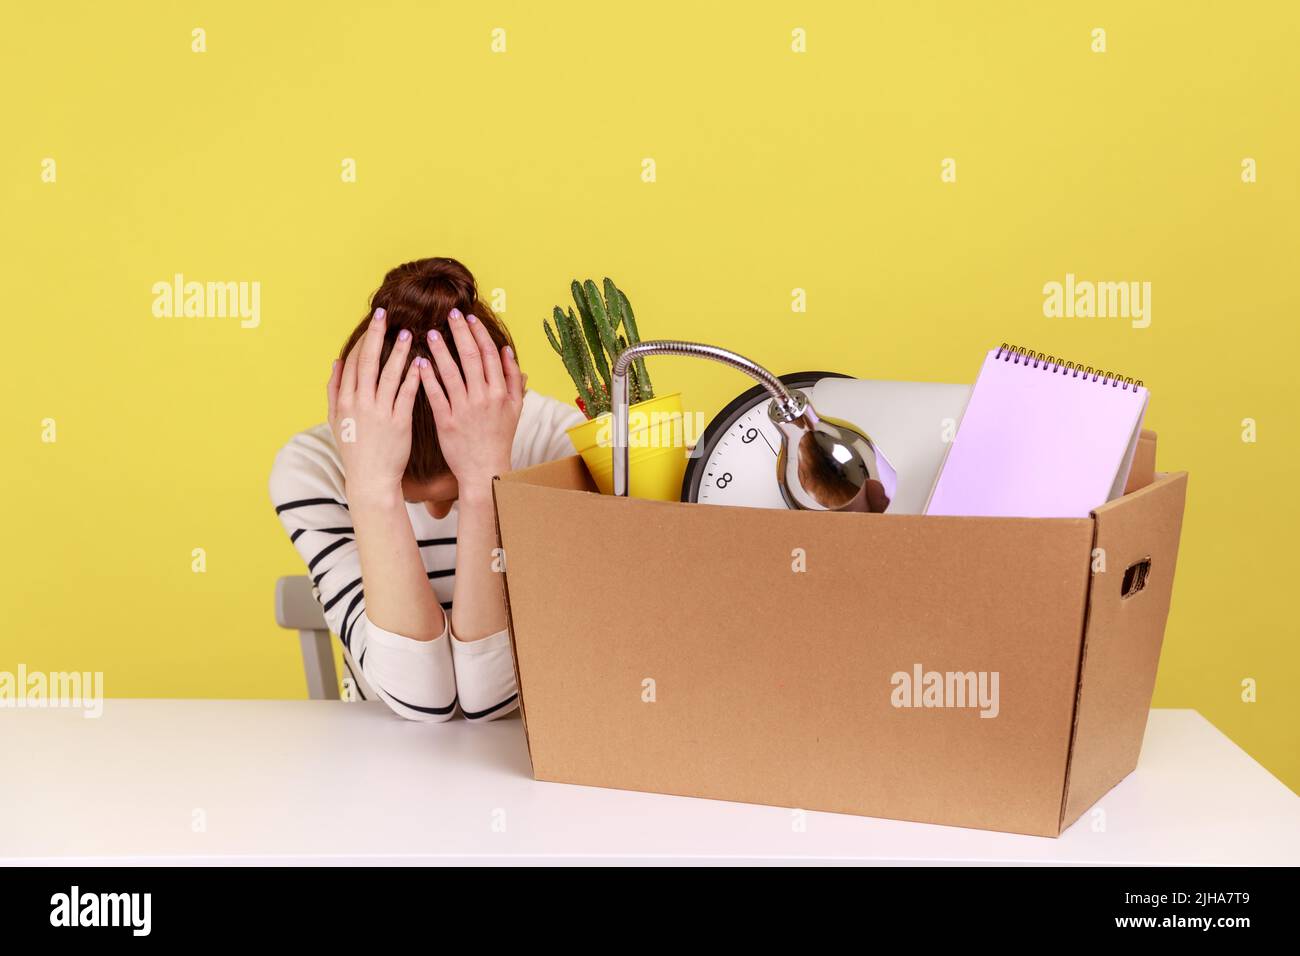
column 418, row 296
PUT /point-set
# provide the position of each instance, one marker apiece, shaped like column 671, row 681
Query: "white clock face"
column 741, row 468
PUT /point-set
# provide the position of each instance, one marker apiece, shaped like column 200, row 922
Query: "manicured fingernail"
column 455, row 313
column 471, row 318
column 434, row 336
column 404, row 335
column 509, row 351
column 379, row 315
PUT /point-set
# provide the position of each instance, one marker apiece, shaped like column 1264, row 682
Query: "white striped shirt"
column 419, row 680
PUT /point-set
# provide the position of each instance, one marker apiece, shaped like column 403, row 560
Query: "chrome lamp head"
column 824, row 464
column 827, row 464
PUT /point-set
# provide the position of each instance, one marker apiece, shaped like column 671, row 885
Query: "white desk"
column 329, row 782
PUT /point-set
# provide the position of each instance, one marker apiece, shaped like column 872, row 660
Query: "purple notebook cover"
column 1039, row 440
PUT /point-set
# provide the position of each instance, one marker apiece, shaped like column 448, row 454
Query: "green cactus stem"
column 571, row 353
column 633, row 336
column 589, row 343
column 591, row 332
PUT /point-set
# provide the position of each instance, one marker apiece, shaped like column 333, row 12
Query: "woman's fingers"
column 487, row 350
column 348, row 375
column 332, row 388
column 390, row 379
column 372, row 346
column 471, row 362
column 432, row 390
column 405, row 400
column 514, row 379
column 453, row 387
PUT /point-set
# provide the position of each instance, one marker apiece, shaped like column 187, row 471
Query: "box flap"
column 1138, row 537
column 567, row 472
column 1143, row 471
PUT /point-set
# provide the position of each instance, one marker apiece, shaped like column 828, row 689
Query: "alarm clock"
column 734, row 462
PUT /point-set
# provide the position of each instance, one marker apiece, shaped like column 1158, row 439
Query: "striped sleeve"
column 415, row 678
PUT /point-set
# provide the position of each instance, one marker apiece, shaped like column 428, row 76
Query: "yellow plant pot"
column 656, row 449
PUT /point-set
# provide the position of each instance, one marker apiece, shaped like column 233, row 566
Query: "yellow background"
column 775, row 170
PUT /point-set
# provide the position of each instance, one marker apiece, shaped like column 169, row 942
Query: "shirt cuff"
column 378, row 635
column 485, row 675
column 485, row 645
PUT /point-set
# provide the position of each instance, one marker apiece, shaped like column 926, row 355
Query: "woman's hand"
column 370, row 415
column 476, row 410
column 370, row 412
column 476, row 406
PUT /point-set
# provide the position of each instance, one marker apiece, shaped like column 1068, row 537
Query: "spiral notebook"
column 1040, row 438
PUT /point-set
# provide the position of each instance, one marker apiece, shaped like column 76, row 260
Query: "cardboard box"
column 680, row 648
column 1143, row 471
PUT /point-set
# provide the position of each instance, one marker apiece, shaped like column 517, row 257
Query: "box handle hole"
column 1135, row 578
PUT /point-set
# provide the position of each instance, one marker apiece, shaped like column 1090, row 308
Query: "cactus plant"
column 589, row 342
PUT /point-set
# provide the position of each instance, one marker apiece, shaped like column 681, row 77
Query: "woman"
column 390, row 503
